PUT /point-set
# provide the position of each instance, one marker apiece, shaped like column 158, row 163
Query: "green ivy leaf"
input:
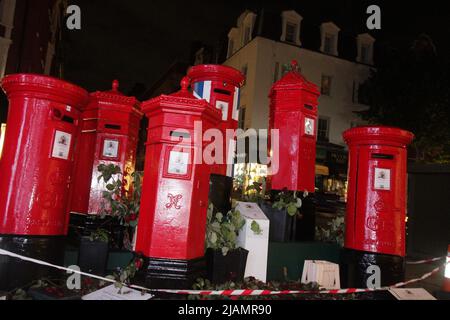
column 256, row 228
column 292, row 209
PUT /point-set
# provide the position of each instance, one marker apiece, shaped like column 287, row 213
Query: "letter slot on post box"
column 36, row 170
column 172, row 221
column 293, row 112
column 376, row 206
column 108, row 135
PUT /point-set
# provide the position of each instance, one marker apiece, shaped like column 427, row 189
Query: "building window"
column 276, row 72
column 291, row 23
column 323, row 129
column 365, row 48
column 244, row 71
column 230, row 48
column 241, row 122
column 329, row 38
column 326, row 85
column 365, row 53
column 328, row 44
column 246, row 35
column 291, row 33
column 355, row 92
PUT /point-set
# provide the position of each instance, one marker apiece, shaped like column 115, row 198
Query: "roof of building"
column 269, row 25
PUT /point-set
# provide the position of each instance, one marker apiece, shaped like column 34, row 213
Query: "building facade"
column 262, row 45
column 30, row 40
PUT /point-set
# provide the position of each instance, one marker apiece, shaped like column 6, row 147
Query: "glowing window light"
column 2, row 137
column 447, row 265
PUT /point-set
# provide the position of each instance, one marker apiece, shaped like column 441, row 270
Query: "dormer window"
column 232, row 41
column 328, row 46
column 291, row 27
column 246, row 35
column 365, row 44
column 330, row 34
column 247, row 27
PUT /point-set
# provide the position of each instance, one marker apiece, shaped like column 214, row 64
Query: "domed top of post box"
column 294, row 80
column 216, row 72
column 115, row 97
column 45, row 87
column 183, row 102
column 365, row 135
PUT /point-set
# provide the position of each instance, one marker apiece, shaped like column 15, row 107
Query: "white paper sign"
column 223, row 106
column 256, row 243
column 112, row 293
column 178, row 163
column 309, row 126
column 411, row 294
column 61, row 145
column 110, row 148
column 382, row 179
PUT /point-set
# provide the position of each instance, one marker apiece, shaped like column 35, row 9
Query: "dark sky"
column 137, row 40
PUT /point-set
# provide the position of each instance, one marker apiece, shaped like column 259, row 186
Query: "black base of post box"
column 93, row 256
column 354, row 265
column 82, row 225
column 15, row 273
column 170, row 273
column 220, row 192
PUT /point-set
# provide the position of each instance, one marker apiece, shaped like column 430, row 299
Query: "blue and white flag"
column 202, row 90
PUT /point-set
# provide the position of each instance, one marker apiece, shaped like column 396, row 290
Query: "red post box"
column 220, row 86
column 36, row 166
column 293, row 112
column 376, row 207
column 172, row 221
column 108, row 135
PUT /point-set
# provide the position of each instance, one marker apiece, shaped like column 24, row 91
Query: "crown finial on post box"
column 185, row 83
column 294, row 65
column 115, row 85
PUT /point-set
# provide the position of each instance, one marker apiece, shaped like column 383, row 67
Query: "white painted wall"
column 261, row 54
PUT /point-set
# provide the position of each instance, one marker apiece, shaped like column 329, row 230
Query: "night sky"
column 136, row 41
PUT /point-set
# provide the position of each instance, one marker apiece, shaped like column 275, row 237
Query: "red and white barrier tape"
column 223, row 292
column 425, row 261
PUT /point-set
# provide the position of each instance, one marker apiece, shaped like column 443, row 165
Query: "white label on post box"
column 309, row 126
column 382, row 179
column 178, row 163
column 110, row 148
column 61, row 145
column 223, row 106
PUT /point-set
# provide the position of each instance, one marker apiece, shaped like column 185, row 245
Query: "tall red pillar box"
column 108, row 135
column 36, row 169
column 293, row 112
column 376, row 206
column 220, row 86
column 172, row 222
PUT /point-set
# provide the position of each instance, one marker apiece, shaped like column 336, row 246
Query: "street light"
column 446, row 286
